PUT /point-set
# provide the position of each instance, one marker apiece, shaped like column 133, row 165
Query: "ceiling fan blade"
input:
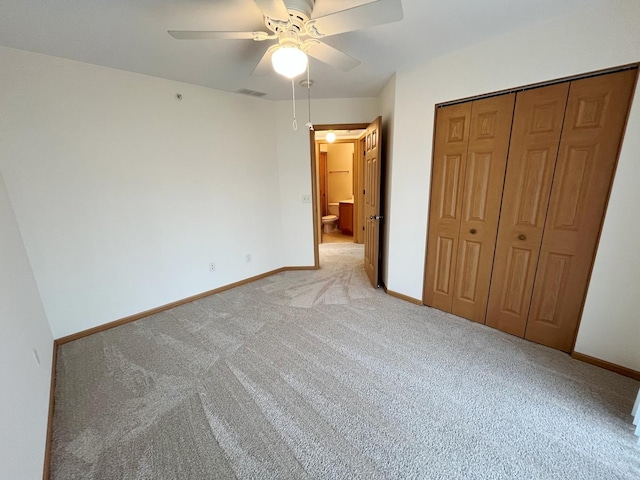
column 330, row 55
column 206, row 35
column 368, row 15
column 274, row 9
column 264, row 65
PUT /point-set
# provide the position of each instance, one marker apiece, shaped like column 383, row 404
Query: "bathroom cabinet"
column 345, row 219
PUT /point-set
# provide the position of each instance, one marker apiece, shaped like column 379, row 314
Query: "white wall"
column 24, row 401
column 584, row 41
column 387, row 102
column 610, row 327
column 124, row 194
column 294, row 165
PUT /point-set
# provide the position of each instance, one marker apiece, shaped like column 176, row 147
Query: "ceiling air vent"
column 253, row 93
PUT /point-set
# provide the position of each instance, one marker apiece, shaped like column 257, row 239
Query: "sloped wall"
column 24, row 334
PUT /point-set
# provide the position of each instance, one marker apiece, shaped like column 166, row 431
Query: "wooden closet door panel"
column 535, row 136
column 593, row 128
column 491, row 120
column 449, row 160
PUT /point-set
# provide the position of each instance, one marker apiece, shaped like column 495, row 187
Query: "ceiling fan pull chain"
column 293, row 92
column 309, row 124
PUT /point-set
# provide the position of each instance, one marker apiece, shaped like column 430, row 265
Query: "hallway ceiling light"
column 331, row 137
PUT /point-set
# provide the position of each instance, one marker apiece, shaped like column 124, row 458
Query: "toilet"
column 329, row 221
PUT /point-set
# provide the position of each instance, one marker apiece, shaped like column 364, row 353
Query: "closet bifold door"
column 449, row 161
column 482, row 194
column 470, row 155
column 593, row 128
column 535, row 136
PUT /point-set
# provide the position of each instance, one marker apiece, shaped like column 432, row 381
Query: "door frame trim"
column 314, row 177
column 569, row 78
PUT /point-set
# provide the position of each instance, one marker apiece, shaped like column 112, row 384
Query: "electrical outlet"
column 306, row 198
column 212, row 267
column 247, row 258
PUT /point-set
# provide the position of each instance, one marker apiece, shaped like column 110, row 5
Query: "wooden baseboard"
column 162, row 308
column 46, row 472
column 100, row 328
column 406, row 298
column 627, row 372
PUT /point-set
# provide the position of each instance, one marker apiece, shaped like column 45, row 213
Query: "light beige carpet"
column 317, row 375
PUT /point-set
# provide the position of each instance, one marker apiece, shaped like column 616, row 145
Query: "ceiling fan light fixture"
column 289, row 61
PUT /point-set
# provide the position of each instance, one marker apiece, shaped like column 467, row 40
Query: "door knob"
column 375, row 217
column 473, row 231
column 522, row 236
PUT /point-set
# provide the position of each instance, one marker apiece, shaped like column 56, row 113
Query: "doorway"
column 338, row 181
column 361, row 213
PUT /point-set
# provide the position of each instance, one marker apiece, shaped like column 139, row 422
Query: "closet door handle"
column 473, row 231
column 522, row 236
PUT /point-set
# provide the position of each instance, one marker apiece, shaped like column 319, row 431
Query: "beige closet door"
column 481, row 197
column 594, row 122
column 535, row 136
column 449, row 160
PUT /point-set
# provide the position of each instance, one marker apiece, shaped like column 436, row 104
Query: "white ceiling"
column 132, row 35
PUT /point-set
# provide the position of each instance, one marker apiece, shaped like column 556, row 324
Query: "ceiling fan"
column 297, row 32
